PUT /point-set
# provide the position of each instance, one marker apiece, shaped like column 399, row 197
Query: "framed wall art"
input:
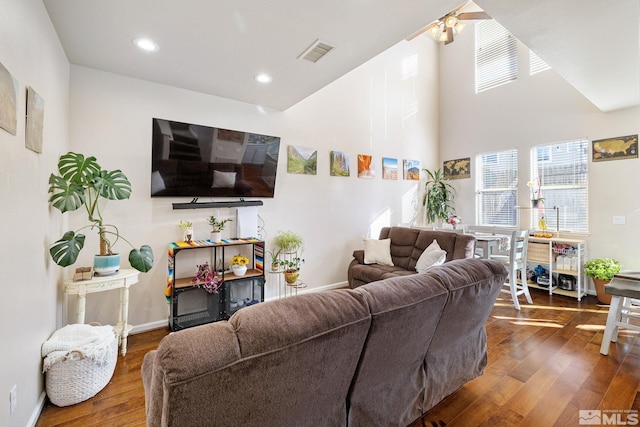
column 365, row 166
column 8, row 101
column 411, row 170
column 35, row 121
column 339, row 163
column 389, row 168
column 457, row 169
column 618, row 148
column 302, row 160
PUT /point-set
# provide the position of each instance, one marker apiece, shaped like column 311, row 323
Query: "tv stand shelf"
column 191, row 305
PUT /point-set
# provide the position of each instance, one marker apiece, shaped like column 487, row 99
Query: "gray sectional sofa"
column 407, row 244
column 379, row 355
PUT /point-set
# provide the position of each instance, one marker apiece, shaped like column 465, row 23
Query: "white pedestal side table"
column 122, row 280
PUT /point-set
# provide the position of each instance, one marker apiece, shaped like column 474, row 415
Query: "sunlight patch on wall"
column 382, row 220
column 411, row 206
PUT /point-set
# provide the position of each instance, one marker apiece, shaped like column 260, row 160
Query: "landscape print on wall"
column 302, row 160
column 365, row 166
column 8, row 101
column 619, row 148
column 339, row 163
column 457, row 169
column 411, row 170
column 389, row 168
column 35, row 121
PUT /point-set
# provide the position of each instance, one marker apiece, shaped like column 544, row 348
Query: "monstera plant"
column 81, row 182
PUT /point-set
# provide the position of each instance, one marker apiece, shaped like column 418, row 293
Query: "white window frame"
column 496, row 55
column 566, row 195
column 497, row 194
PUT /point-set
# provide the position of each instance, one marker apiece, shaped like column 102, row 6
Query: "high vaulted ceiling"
column 218, row 46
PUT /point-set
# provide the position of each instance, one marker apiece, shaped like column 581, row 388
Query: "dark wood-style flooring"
column 544, row 366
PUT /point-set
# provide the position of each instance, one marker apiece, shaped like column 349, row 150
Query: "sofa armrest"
column 359, row 255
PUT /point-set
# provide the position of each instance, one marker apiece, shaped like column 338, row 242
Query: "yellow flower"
column 239, row 260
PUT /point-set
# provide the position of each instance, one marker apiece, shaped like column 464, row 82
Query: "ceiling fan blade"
column 449, row 32
column 473, row 15
column 421, row 31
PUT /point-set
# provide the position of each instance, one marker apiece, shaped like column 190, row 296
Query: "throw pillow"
column 377, row 251
column 223, row 179
column 431, row 256
column 157, row 183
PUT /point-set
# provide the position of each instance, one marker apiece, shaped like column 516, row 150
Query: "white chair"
column 624, row 310
column 517, row 260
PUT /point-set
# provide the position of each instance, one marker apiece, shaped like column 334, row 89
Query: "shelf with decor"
column 557, row 265
column 196, row 301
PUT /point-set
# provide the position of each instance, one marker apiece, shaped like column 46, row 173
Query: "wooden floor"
column 544, row 366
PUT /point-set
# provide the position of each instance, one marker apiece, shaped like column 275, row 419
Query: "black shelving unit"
column 191, row 305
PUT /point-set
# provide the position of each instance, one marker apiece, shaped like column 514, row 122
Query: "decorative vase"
column 603, row 297
column 239, row 270
column 216, row 236
column 188, row 234
column 291, row 276
column 535, row 203
column 106, row 265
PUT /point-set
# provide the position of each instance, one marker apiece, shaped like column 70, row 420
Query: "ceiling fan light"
column 443, row 36
column 433, row 31
column 458, row 27
column 450, row 21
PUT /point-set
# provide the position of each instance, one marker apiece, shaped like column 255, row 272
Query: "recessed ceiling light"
column 145, row 44
column 263, row 78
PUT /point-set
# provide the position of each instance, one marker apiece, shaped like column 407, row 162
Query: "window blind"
column 496, row 55
column 536, row 64
column 497, row 188
column 561, row 171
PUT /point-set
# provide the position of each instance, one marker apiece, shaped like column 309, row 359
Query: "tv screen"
column 189, row 160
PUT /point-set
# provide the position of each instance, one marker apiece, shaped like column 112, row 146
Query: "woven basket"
column 73, row 381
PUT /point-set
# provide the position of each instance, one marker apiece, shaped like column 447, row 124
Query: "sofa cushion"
column 431, row 256
column 223, row 179
column 389, row 387
column 377, row 251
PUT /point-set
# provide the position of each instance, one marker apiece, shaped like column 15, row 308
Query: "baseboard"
column 37, row 410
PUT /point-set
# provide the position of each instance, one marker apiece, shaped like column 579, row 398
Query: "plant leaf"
column 74, row 167
column 66, row 196
column 141, row 259
column 113, row 185
column 65, row 251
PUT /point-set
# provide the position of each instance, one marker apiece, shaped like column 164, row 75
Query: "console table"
column 121, row 280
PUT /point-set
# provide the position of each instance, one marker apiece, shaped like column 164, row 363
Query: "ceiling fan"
column 444, row 28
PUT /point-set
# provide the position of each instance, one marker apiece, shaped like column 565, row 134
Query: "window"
column 562, row 173
column 497, row 188
column 496, row 55
column 536, row 64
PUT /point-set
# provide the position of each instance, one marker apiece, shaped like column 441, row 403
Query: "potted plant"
column 438, row 196
column 291, row 269
column 207, row 278
column 187, row 227
column 239, row 265
column 82, row 182
column 217, row 225
column 288, row 242
column 275, row 262
column 601, row 271
column 536, row 193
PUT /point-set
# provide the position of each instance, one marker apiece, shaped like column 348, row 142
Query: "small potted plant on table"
column 292, row 269
column 217, row 225
column 601, row 270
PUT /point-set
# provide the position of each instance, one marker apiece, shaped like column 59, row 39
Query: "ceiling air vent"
column 316, row 51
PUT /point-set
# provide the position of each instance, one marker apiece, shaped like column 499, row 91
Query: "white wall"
column 373, row 110
column 30, row 50
column 534, row 110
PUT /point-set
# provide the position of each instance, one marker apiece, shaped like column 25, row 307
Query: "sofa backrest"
column 389, row 385
column 458, row 351
column 284, row 362
column 407, row 244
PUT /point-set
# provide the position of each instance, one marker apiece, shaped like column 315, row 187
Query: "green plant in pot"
column 288, row 241
column 275, row 262
column 217, row 225
column 438, row 196
column 291, row 268
column 601, row 270
column 81, row 182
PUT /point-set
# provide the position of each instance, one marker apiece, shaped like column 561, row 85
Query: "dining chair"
column 516, row 260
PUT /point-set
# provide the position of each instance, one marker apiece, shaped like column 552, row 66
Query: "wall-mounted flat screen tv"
column 191, row 160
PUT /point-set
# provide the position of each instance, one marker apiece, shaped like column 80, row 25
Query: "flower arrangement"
column 536, row 191
column 454, row 220
column 239, row 260
column 207, row 278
